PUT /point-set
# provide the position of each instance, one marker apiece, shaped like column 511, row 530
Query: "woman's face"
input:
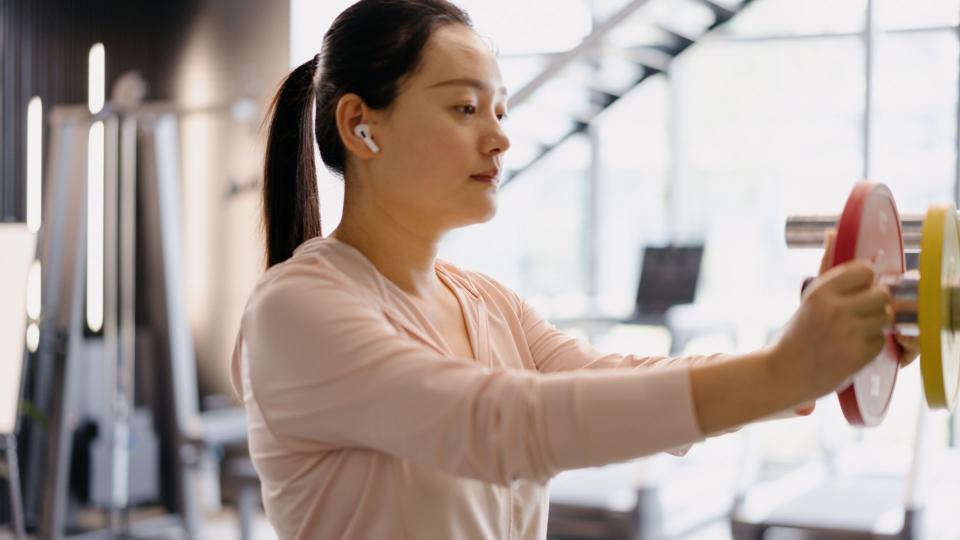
column 441, row 141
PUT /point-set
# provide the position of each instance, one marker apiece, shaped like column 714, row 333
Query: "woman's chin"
column 489, row 213
column 479, row 214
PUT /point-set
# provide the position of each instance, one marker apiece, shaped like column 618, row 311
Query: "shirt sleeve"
column 557, row 351
column 328, row 370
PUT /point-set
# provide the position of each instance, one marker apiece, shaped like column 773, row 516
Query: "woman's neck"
column 400, row 253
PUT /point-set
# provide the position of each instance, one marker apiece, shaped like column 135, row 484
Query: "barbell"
column 926, row 301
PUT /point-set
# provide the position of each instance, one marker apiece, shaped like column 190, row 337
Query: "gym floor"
column 224, row 527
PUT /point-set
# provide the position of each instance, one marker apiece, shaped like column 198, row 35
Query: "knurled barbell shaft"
column 808, row 231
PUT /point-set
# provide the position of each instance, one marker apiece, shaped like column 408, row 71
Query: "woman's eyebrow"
column 467, row 81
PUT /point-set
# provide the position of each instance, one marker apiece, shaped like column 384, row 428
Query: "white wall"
column 234, row 56
column 18, row 253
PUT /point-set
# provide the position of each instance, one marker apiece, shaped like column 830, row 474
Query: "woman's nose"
column 496, row 142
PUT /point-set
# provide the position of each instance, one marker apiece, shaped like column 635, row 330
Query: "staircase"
column 636, row 42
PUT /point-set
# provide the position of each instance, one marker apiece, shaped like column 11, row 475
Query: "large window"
column 760, row 121
column 763, row 119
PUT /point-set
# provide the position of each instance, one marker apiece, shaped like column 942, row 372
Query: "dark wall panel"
column 44, row 46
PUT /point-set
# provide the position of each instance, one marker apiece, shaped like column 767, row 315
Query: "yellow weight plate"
column 939, row 275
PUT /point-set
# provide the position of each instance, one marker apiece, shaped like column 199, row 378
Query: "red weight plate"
column 870, row 229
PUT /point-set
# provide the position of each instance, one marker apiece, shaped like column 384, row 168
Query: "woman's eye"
column 502, row 116
column 467, row 109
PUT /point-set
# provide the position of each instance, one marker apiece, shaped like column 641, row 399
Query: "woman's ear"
column 352, row 112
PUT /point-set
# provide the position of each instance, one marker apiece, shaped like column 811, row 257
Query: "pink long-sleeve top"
column 362, row 424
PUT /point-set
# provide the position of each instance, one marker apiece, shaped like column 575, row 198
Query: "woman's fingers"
column 806, row 409
column 911, row 349
column 872, row 302
column 875, row 327
column 849, row 277
column 843, row 323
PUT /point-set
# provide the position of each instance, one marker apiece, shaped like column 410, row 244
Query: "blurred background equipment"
column 115, row 321
column 122, row 215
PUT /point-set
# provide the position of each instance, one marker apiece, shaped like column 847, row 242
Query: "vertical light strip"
column 97, row 73
column 33, row 337
column 95, row 179
column 34, row 163
column 96, row 95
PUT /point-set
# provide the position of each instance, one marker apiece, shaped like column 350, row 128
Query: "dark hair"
column 367, row 51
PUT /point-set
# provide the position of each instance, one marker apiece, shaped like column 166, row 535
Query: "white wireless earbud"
column 363, row 131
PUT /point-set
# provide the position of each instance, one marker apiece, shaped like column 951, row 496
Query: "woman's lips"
column 492, row 179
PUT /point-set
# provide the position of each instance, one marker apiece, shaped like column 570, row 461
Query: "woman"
column 392, row 394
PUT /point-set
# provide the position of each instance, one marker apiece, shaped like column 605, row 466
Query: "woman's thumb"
column 829, row 245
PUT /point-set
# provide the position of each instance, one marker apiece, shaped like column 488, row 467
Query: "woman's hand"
column 838, row 329
column 910, row 345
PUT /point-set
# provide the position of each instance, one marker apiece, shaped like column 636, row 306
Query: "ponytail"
column 291, row 203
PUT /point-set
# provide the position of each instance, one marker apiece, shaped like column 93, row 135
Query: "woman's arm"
column 327, row 371
column 732, row 390
column 837, row 329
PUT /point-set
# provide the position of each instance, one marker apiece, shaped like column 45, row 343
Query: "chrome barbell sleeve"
column 807, row 231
